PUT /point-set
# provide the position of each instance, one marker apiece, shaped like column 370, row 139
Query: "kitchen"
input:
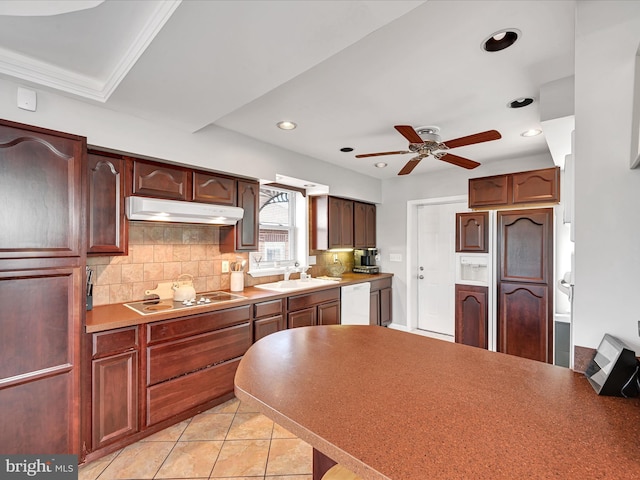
column 603, row 95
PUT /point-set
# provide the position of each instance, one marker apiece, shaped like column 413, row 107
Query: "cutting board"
column 163, row 290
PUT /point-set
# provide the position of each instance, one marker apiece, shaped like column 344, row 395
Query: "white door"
column 436, row 266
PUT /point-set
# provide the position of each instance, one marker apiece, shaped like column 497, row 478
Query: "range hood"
column 160, row 210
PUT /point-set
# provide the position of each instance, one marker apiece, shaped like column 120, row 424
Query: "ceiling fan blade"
column 409, row 133
column 411, row 164
column 365, row 155
column 459, row 161
column 476, row 138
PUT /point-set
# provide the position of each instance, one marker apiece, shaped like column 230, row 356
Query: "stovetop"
column 149, row 307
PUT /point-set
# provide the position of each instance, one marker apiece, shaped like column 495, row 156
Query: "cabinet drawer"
column 175, row 396
column 172, row 359
column 267, row 309
column 303, row 301
column 193, row 325
column 380, row 284
column 114, row 341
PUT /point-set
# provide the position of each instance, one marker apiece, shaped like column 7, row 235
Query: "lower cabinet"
column 317, row 308
column 472, row 315
column 380, row 302
column 114, row 393
column 268, row 318
column 185, row 354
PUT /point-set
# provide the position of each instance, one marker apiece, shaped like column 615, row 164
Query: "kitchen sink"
column 297, row 284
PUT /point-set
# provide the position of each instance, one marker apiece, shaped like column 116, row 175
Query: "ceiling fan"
column 428, row 143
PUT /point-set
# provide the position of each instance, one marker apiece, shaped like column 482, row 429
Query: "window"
column 281, row 237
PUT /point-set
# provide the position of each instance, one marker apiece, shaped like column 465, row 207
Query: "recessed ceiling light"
column 501, row 39
column 346, row 149
column 309, row 185
column 286, row 125
column 520, row 102
column 531, row 133
column 380, row 164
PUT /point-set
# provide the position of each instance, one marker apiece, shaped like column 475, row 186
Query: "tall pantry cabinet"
column 41, row 288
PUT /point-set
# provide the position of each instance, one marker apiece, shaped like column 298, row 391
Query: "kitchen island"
column 393, row 405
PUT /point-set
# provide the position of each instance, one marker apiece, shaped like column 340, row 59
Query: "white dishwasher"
column 354, row 304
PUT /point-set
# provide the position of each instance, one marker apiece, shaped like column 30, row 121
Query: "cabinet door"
column 114, row 398
column 537, row 186
column 329, row 313
column 364, row 225
column 107, row 223
column 267, row 326
column 302, row 318
column 161, row 181
column 374, row 308
column 335, row 222
column 525, row 325
column 39, row 348
column 386, row 316
column 346, row 224
column 472, row 233
column 41, row 188
column 471, row 315
column 525, row 245
column 248, row 227
column 218, row 189
column 489, row 191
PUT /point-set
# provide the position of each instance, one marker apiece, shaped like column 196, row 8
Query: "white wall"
column 392, row 213
column 213, row 148
column 607, row 197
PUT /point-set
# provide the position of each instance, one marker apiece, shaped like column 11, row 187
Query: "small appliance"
column 365, row 260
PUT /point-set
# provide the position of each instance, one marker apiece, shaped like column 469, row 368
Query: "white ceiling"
column 345, row 71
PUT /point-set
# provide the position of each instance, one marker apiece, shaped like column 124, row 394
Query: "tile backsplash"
column 162, row 252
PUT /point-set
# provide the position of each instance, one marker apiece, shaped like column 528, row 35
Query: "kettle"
column 183, row 289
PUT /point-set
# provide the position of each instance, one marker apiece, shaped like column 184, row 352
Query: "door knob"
column 421, row 277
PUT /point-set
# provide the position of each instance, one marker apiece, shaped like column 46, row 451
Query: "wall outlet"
column 225, row 266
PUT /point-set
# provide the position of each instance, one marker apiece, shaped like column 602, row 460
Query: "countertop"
column 394, row 405
column 109, row 317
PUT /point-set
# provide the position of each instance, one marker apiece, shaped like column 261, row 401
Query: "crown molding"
column 47, row 75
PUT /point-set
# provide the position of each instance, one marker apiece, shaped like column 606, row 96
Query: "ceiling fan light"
column 501, row 39
column 380, row 164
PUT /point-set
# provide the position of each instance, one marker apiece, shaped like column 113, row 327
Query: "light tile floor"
column 230, row 441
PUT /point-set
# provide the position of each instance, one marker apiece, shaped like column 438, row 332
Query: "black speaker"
column 613, row 370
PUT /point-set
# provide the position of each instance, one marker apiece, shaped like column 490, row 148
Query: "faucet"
column 288, row 271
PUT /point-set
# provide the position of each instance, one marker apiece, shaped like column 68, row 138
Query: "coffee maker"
column 364, row 260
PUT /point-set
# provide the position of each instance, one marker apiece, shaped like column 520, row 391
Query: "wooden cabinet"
column 472, row 313
column 268, row 318
column 114, row 391
column 535, row 186
column 380, row 302
column 245, row 235
column 107, row 224
column 472, row 232
column 211, row 188
column 316, row 308
column 331, row 223
column 42, row 258
column 525, row 283
column 364, row 225
column 184, row 354
column 159, row 180
column 538, row 186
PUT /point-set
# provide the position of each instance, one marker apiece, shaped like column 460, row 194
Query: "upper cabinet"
column 472, row 233
column 364, row 225
column 212, row 188
column 107, row 225
column 245, row 235
column 535, row 186
column 331, row 222
column 159, row 180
